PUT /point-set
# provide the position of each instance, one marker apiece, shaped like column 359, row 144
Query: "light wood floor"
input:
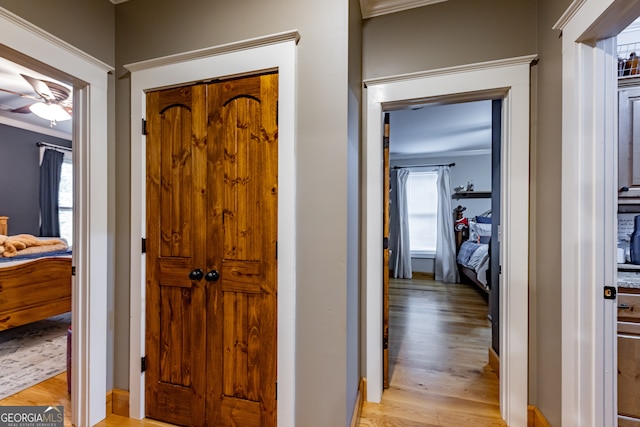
column 439, row 337
column 439, row 376
column 51, row 392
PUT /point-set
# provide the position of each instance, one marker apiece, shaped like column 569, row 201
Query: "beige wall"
column 546, row 169
column 446, row 34
column 354, row 372
column 88, row 25
column 153, row 28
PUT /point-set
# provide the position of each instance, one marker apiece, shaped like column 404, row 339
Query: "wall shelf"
column 471, row 195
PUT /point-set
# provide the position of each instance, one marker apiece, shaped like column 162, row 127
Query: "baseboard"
column 118, row 402
column 422, row 275
column 535, row 418
column 494, row 361
column 360, row 397
column 109, row 402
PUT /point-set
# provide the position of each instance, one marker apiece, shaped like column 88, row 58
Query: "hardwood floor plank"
column 51, row 392
column 440, row 376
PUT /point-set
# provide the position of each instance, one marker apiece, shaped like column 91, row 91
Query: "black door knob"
column 212, row 276
column 196, row 274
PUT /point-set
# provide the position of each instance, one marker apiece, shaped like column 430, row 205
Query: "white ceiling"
column 11, row 79
column 434, row 130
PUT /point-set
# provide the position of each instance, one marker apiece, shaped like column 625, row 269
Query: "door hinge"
column 385, row 343
column 385, row 243
column 276, row 249
column 144, row 245
column 144, row 127
column 385, row 137
column 73, row 270
column 609, row 292
column 276, row 390
column 143, row 364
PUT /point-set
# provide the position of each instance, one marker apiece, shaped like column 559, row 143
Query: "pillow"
column 483, row 219
column 476, row 231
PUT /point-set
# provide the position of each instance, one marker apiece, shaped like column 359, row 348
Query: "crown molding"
column 34, row 128
column 50, row 38
column 569, row 13
column 371, row 8
column 439, row 155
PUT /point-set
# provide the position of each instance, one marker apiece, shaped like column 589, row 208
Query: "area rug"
column 33, row 353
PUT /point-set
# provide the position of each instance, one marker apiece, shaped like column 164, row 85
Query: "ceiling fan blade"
column 40, row 87
column 23, row 95
column 23, row 110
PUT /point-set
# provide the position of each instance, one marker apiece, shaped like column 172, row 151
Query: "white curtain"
column 446, row 269
column 400, row 248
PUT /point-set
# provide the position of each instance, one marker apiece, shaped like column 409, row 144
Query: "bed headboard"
column 3, row 225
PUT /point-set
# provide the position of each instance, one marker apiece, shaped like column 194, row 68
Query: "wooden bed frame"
column 33, row 290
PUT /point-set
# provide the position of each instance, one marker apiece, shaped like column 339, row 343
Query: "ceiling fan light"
column 51, row 112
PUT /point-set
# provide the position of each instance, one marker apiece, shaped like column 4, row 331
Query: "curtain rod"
column 57, row 147
column 423, row 166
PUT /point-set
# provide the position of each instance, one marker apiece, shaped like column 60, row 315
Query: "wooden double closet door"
column 211, row 253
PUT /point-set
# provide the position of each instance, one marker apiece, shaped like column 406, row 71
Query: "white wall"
column 469, row 167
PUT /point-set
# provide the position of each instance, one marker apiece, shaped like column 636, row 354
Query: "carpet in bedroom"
column 33, row 353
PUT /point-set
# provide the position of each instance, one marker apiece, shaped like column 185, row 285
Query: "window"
column 65, row 200
column 65, row 195
column 423, row 212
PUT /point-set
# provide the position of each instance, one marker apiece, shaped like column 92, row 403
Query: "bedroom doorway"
column 461, row 141
column 507, row 79
column 38, row 149
column 88, row 76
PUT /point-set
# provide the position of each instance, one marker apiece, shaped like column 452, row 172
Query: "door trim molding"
column 589, row 182
column 89, row 77
column 268, row 53
column 510, row 78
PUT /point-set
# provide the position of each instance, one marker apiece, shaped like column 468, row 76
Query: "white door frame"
column 510, row 80
column 589, row 207
column 89, row 79
column 275, row 52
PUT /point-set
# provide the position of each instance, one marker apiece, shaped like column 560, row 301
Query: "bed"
column 34, row 286
column 473, row 252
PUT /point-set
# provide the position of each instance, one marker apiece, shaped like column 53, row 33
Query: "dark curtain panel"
column 50, row 170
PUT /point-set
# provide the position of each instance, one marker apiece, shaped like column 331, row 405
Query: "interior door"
column 385, row 263
column 212, row 196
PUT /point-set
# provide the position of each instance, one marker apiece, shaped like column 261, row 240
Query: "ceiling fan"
column 53, row 100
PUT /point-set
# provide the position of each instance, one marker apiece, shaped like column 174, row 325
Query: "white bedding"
column 476, row 257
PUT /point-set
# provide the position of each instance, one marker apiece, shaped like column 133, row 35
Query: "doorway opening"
column 441, row 316
column 22, row 41
column 628, row 210
column 589, row 180
column 509, row 80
